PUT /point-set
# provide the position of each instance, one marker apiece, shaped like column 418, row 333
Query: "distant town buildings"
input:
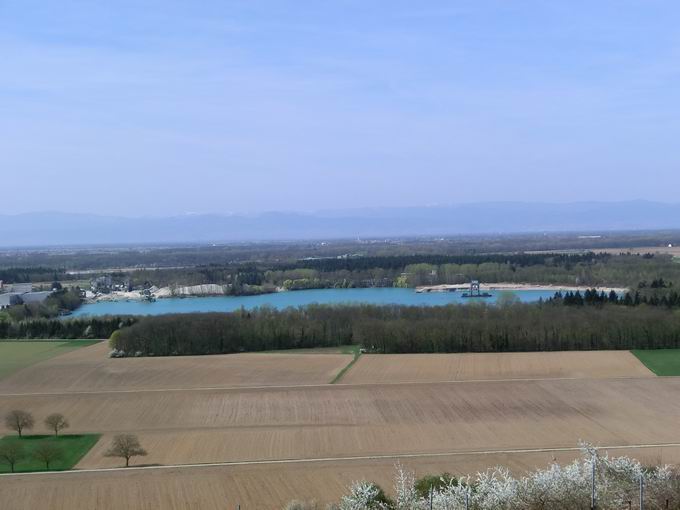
column 20, row 294
column 35, row 297
column 105, row 284
column 102, row 284
column 7, row 300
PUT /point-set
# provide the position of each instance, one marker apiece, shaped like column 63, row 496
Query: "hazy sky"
column 162, row 107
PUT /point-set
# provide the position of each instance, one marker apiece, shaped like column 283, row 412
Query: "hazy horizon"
column 41, row 229
column 350, row 211
column 169, row 108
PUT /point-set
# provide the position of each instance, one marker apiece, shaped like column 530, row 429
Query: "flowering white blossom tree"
column 362, row 496
column 617, row 482
column 405, row 489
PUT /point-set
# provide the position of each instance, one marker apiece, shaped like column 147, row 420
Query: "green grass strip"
column 73, row 447
column 663, row 362
column 18, row 354
column 352, row 349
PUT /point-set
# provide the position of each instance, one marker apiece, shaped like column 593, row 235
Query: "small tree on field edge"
column 56, row 422
column 19, row 421
column 11, row 452
column 47, row 452
column 125, row 446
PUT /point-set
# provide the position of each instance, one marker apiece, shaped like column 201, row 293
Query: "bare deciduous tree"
column 11, row 452
column 125, row 446
column 19, row 421
column 56, row 422
column 47, row 452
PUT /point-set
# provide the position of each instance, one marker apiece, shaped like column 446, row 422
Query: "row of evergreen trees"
column 669, row 299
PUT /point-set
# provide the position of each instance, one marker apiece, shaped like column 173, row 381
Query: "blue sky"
column 165, row 107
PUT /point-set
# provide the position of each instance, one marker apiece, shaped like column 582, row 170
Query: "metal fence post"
column 593, row 502
column 642, row 490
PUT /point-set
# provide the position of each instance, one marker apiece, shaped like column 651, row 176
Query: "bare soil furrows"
column 279, row 423
column 381, row 368
column 261, row 487
column 266, row 407
column 90, row 369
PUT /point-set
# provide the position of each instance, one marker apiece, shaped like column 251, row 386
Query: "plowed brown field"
column 185, row 415
column 279, row 423
column 253, row 487
column 90, row 368
column 382, row 368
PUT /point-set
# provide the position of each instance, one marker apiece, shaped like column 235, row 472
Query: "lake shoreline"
column 380, row 296
column 214, row 290
column 516, row 287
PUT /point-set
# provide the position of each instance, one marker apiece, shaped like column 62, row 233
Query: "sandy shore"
column 204, row 290
column 514, row 286
column 164, row 292
column 115, row 296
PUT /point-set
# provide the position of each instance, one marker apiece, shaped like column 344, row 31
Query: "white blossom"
column 362, row 496
column 617, row 482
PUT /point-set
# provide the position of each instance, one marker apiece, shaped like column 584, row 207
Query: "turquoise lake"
column 381, row 296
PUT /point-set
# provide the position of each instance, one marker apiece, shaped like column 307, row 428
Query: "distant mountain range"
column 62, row 229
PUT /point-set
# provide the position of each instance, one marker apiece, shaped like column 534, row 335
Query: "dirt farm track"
column 274, row 429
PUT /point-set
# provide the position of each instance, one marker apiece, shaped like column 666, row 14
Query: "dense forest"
column 32, row 274
column 401, row 261
column 96, row 327
column 587, row 269
column 108, row 257
column 398, row 329
column 254, row 268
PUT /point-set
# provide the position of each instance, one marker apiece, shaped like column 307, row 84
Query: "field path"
column 267, row 486
column 299, row 386
column 612, row 449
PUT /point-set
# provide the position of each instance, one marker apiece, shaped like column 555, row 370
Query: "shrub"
column 556, row 487
column 433, row 482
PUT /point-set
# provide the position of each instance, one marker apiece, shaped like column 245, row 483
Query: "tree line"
column 290, row 252
column 588, row 269
column 400, row 261
column 413, row 270
column 85, row 327
column 655, row 295
column 404, row 329
column 405, row 270
column 32, row 274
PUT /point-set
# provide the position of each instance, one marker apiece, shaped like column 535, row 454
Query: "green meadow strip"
column 357, row 355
